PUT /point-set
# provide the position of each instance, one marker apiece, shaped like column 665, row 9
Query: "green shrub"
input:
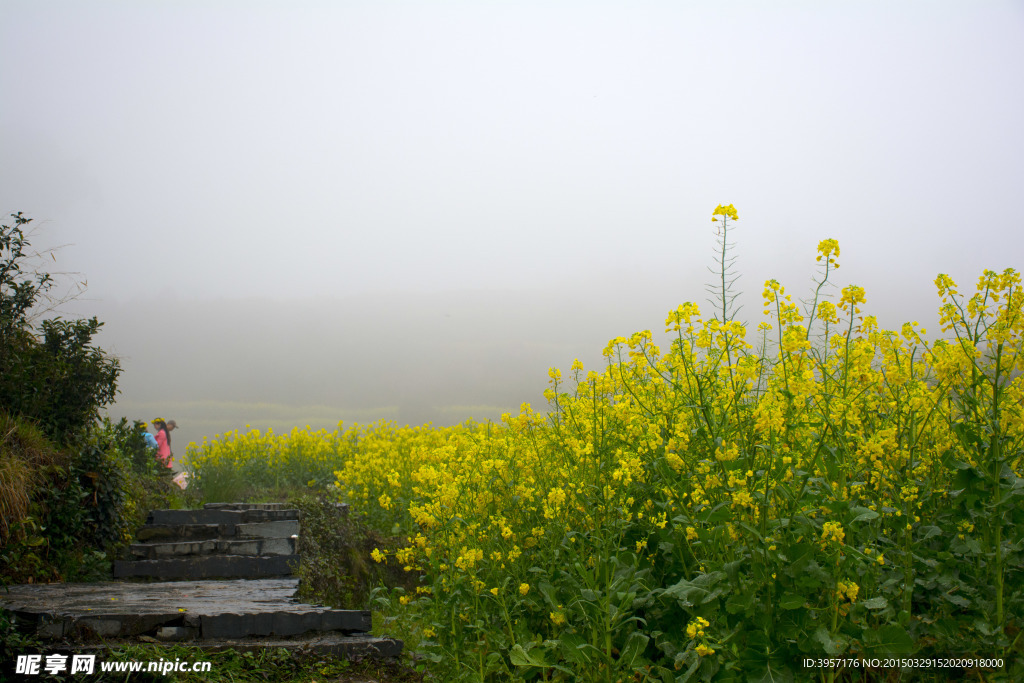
column 53, row 375
column 66, row 513
column 335, row 547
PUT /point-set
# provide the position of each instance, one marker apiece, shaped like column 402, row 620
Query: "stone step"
column 244, row 506
column 354, row 646
column 196, row 532
column 207, row 567
column 255, row 546
column 219, row 516
column 280, row 529
column 185, row 610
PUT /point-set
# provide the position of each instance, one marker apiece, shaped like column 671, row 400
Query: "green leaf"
column 865, row 515
column 772, row 674
column 696, row 592
column 720, row 513
column 548, row 591
column 521, row 657
column 893, row 639
column 577, row 650
column 875, row 603
column 694, row 660
column 958, row 600
column 738, row 602
column 634, row 647
column 830, row 647
column 751, row 530
column 791, row 601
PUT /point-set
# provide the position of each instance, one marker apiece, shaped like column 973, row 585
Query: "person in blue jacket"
column 150, row 439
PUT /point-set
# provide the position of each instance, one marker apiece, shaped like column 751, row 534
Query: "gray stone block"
column 295, row 623
column 181, row 549
column 282, row 623
column 258, row 546
column 243, row 547
column 280, row 529
column 176, row 517
column 134, row 623
column 53, row 628
column 237, row 625
column 348, row 621
column 175, row 634
column 208, row 567
column 243, row 506
column 241, row 612
column 182, row 532
column 249, row 516
column 225, row 515
column 108, row 627
column 327, row 644
column 158, row 551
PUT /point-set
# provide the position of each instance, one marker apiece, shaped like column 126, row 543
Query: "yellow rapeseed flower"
column 696, row 627
column 847, row 589
column 728, row 211
column 832, row 531
column 828, row 249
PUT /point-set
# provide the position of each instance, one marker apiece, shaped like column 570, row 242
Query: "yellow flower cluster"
column 695, row 629
column 728, row 211
column 847, row 589
column 832, row 532
column 828, row 250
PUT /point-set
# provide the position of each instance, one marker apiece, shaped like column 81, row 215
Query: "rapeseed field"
column 740, row 505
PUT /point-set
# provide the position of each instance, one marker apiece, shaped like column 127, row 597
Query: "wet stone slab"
column 179, row 609
column 244, row 506
column 357, row 645
column 220, row 516
column 208, row 567
column 199, row 532
column 253, row 546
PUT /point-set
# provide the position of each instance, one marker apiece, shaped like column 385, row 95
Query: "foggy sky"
column 312, row 211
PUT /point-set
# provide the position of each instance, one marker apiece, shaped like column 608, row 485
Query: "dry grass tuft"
column 24, row 452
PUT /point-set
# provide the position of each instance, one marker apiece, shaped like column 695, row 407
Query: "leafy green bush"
column 54, row 374
column 79, row 506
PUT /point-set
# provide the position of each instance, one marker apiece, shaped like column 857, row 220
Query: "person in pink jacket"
column 163, row 440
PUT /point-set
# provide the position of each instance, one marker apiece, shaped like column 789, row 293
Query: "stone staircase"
column 220, row 577
column 223, row 540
